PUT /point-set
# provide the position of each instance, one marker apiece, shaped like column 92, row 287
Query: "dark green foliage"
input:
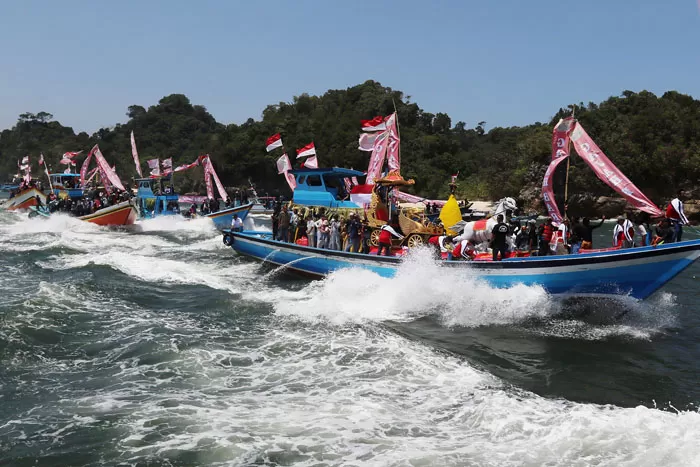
column 655, row 141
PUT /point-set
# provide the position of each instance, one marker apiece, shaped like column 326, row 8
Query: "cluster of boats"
column 635, row 272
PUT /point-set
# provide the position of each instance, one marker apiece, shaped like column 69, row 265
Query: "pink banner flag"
column 135, row 154
column 91, row 174
column 154, row 165
column 548, row 191
column 106, row 171
column 393, row 153
column 210, row 173
column 366, row 142
column 283, row 164
column 283, row 167
column 609, row 174
column 376, row 160
column 167, row 166
column 311, row 162
column 86, row 163
column 560, row 137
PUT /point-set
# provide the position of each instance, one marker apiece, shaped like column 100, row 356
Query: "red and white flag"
column 135, row 155
column 67, row 161
column 41, row 158
column 375, row 124
column 25, row 160
column 308, row 150
column 70, row 155
column 273, row 142
column 366, row 142
column 354, row 181
column 153, row 164
column 454, row 177
column 311, row 162
column 180, row 168
column 283, row 164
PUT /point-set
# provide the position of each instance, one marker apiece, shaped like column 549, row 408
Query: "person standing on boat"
column 311, row 230
column 275, row 220
column 237, row 224
column 366, row 234
column 283, row 225
column 354, row 227
column 335, row 233
column 641, row 230
column 546, row 232
column 623, row 233
column 325, row 233
column 385, row 234
column 587, row 233
column 533, row 236
column 293, row 225
column 675, row 214
column 499, row 233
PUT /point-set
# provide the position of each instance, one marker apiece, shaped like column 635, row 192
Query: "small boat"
column 24, row 199
column 123, row 213
column 634, row 272
column 222, row 219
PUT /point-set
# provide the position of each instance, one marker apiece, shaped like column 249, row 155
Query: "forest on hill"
column 654, row 140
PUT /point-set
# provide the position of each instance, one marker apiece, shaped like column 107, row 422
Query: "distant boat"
column 634, row 272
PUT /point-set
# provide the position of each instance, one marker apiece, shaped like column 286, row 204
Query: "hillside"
column 654, row 140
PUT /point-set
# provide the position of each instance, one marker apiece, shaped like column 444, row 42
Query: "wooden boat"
column 24, row 199
column 123, row 213
column 634, row 272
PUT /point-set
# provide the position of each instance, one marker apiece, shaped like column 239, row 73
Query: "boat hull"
column 24, row 200
column 222, row 219
column 636, row 272
column 119, row 214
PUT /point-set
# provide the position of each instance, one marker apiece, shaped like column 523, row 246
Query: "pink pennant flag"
column 393, row 155
column 180, row 168
column 154, row 165
column 86, row 163
column 311, row 162
column 71, row 155
column 167, row 166
column 283, row 164
column 308, row 150
column 135, row 155
column 41, row 159
column 366, row 142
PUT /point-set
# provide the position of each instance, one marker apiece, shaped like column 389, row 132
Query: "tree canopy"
column 654, row 140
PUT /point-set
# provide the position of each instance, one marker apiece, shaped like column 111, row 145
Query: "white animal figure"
column 480, row 231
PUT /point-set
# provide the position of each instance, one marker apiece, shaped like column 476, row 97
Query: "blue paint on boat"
column 635, row 272
column 222, row 219
column 67, row 183
column 323, row 187
column 150, row 204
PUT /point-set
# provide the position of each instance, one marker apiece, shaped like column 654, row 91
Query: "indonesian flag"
column 273, row 142
column 70, row 155
column 41, row 158
column 154, row 166
column 167, row 165
column 311, row 162
column 180, row 168
column 67, row 161
column 25, row 160
column 366, row 142
column 361, row 194
column 454, row 177
column 308, row 150
column 376, row 124
column 283, row 164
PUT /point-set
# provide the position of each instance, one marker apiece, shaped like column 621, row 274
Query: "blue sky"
column 509, row 62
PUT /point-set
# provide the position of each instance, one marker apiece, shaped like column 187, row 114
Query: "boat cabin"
column 323, row 187
column 156, row 197
column 67, row 183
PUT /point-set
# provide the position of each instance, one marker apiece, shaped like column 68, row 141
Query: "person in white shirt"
column 311, row 231
column 236, row 224
column 675, row 214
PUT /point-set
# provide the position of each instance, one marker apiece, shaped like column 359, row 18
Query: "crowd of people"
column 333, row 232
column 92, row 200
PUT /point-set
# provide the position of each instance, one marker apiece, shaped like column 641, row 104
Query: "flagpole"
column 568, row 165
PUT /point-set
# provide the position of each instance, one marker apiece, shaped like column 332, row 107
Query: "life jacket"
column 385, row 237
column 547, row 232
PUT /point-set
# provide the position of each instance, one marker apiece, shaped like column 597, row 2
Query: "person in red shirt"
column 385, row 235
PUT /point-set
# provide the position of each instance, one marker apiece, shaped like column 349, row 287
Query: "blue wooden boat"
column 162, row 202
column 222, row 219
column 324, row 187
column 165, row 202
column 635, row 272
column 66, row 184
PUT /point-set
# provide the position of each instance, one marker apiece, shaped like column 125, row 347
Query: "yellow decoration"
column 450, row 215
